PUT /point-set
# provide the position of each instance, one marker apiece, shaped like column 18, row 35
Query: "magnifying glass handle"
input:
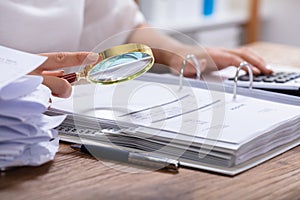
column 71, row 78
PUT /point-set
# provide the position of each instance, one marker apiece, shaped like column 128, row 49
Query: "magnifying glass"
column 117, row 64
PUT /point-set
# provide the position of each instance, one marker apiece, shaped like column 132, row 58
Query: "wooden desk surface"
column 75, row 176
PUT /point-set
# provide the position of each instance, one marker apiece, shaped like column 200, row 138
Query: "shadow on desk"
column 15, row 176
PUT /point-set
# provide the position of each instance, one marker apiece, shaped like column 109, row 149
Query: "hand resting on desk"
column 218, row 58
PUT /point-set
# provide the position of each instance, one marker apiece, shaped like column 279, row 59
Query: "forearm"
column 166, row 50
column 170, row 52
column 164, row 47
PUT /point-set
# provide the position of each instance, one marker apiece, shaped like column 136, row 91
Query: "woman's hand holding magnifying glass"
column 117, row 64
column 51, row 69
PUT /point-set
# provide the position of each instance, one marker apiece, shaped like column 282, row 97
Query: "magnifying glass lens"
column 120, row 68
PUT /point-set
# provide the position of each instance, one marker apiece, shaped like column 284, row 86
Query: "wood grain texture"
column 277, row 53
column 75, row 176
column 253, row 23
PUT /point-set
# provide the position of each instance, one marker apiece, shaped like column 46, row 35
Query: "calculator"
column 282, row 82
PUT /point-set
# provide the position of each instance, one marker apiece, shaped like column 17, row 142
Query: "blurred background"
column 227, row 23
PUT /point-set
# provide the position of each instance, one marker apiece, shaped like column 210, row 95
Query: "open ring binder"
column 242, row 64
column 186, row 137
column 197, row 65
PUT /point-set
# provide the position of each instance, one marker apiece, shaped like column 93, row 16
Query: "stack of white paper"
column 27, row 137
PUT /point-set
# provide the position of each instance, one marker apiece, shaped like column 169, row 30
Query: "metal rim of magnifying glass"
column 119, row 50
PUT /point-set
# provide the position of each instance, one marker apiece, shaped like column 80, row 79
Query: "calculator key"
column 244, row 78
column 258, row 78
column 281, row 80
column 269, row 79
column 293, row 76
column 278, row 73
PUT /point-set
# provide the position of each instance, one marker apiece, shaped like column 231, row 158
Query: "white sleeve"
column 108, row 23
column 41, row 26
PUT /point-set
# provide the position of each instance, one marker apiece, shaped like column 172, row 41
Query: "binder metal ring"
column 184, row 62
column 242, row 64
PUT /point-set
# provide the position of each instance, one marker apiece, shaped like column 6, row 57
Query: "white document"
column 33, row 103
column 39, row 120
column 32, row 155
column 30, row 131
column 9, row 120
column 11, row 150
column 20, row 87
column 14, row 64
column 30, row 141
